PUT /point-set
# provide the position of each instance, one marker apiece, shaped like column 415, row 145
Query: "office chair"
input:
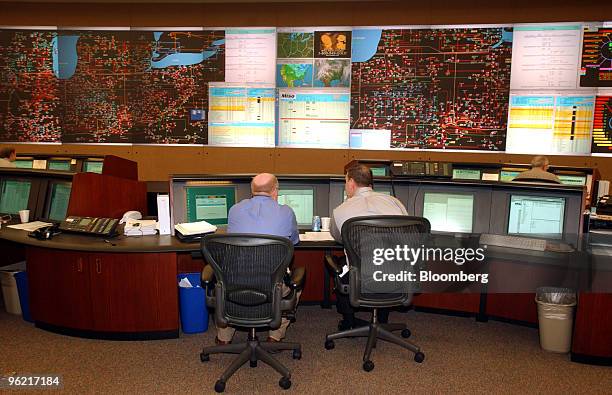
column 249, row 271
column 361, row 236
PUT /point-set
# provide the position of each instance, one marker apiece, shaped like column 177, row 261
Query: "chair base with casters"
column 252, row 351
column 373, row 332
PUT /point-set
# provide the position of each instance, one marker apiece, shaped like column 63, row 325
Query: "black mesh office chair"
column 249, row 271
column 361, row 236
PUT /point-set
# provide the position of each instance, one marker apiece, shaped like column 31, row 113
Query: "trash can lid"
column 15, row 267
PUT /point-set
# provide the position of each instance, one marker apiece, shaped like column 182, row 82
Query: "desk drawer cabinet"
column 103, row 292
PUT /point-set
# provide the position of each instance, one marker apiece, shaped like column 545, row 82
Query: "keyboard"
column 524, row 243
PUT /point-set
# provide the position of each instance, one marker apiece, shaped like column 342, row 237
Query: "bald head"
column 265, row 184
column 540, row 162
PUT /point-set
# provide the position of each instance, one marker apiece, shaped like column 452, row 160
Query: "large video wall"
column 523, row 88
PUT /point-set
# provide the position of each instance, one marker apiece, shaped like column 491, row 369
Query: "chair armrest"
column 208, row 275
column 332, row 263
column 297, row 278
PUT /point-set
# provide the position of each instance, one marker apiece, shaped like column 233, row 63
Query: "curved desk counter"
column 125, row 288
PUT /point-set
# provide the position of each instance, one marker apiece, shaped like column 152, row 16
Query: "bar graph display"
column 602, row 125
column 550, row 124
column 241, row 115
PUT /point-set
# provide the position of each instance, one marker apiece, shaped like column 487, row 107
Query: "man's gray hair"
column 539, row 161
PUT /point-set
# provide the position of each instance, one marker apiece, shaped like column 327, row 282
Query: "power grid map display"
column 29, row 92
column 314, row 118
column 433, row 88
column 241, row 115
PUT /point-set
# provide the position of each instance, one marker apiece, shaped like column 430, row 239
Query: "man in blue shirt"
column 262, row 214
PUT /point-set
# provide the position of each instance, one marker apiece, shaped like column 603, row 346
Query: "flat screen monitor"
column 14, row 195
column 379, row 171
column 466, row 174
column 91, row 166
column 301, row 201
column 508, row 175
column 59, row 197
column 572, row 179
column 209, row 203
column 63, row 165
column 24, row 163
column 449, row 212
column 536, row 215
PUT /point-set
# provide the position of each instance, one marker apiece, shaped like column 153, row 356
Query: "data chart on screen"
column 536, row 215
column 449, row 212
column 301, row 201
column 314, row 118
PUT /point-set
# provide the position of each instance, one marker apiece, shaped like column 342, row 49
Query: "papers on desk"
column 140, row 227
column 195, row 228
column 30, row 226
column 316, row 236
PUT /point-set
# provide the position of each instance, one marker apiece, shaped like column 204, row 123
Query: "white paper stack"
column 316, row 236
column 195, row 228
column 140, row 227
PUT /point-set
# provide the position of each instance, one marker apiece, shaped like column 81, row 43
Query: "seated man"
column 538, row 172
column 262, row 214
column 361, row 201
column 7, row 157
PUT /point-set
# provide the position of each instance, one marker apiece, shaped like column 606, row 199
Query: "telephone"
column 45, row 233
column 130, row 215
column 90, row 225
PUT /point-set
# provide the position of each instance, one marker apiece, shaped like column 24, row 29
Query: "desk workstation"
column 459, row 210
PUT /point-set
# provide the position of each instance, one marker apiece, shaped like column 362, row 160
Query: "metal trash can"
column 556, row 318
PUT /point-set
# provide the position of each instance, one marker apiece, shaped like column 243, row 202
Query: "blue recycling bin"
column 193, row 311
column 21, row 279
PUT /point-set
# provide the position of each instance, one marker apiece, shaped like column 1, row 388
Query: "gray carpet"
column 461, row 356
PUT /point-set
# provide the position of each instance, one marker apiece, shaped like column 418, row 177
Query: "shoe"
column 221, row 342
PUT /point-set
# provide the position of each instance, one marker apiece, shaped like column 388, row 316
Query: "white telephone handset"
column 130, row 215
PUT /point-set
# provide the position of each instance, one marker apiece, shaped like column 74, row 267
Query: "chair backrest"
column 249, row 269
column 368, row 241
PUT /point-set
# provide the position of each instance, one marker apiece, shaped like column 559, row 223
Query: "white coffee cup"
column 325, row 221
column 24, row 215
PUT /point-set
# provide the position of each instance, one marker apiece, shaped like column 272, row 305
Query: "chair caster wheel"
column 284, row 383
column 220, row 386
column 419, row 357
column 204, row 357
column 368, row 366
column 406, row 333
column 253, row 364
column 329, row 344
column 297, row 354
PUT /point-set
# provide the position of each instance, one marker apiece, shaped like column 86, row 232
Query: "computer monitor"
column 449, row 212
column 91, row 166
column 14, row 195
column 379, row 171
column 508, row 175
column 58, row 198
column 572, row 179
column 209, row 203
column 301, row 201
column 24, row 163
column 536, row 215
column 466, row 174
column 63, row 165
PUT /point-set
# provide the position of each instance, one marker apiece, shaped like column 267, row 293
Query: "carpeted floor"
column 461, row 356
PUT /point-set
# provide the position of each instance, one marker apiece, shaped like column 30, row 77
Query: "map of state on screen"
column 433, row 88
column 29, row 91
